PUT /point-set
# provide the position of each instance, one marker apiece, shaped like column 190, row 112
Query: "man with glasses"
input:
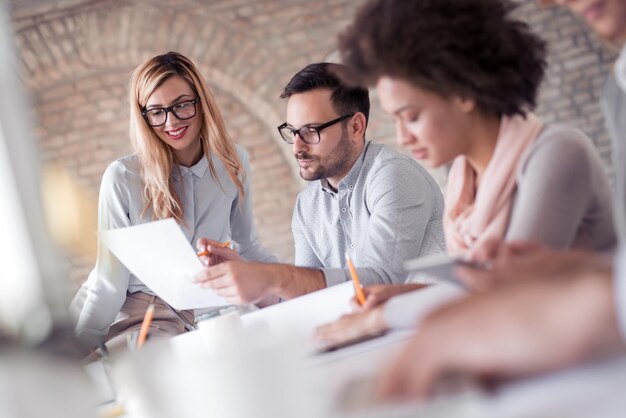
column 364, row 200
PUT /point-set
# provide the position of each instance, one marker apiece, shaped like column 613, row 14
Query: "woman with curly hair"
column 461, row 78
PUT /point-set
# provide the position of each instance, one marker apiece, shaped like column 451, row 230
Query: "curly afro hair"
column 468, row 48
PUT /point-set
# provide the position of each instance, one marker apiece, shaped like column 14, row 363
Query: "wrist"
column 273, row 275
column 283, row 278
column 409, row 287
column 290, row 281
column 376, row 320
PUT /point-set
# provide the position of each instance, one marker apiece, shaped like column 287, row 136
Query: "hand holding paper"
column 159, row 254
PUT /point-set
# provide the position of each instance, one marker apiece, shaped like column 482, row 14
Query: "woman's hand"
column 350, row 328
column 378, row 294
column 523, row 261
column 216, row 252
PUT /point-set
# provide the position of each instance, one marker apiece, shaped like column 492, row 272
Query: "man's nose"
column 299, row 145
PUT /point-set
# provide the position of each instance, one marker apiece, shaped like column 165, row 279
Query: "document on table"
column 297, row 318
column 159, row 254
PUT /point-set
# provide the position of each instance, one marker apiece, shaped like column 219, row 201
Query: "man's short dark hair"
column 468, row 48
column 345, row 98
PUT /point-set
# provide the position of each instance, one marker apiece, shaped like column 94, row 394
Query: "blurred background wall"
column 77, row 56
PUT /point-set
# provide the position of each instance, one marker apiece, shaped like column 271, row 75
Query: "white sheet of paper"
column 297, row 318
column 159, row 254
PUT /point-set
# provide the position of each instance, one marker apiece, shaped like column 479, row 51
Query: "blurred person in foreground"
column 546, row 309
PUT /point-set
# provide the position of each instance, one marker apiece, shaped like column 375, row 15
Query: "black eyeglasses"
column 157, row 116
column 308, row 134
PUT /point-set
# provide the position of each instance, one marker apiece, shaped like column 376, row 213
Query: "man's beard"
column 335, row 164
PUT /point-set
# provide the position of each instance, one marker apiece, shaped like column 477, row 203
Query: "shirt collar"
column 199, row 169
column 352, row 176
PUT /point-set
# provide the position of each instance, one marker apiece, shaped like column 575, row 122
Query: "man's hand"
column 245, row 282
column 524, row 328
column 239, row 282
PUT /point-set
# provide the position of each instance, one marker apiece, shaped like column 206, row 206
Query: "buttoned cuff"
column 335, row 276
column 620, row 288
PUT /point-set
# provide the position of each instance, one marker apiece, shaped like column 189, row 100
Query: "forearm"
column 95, row 318
column 595, row 293
column 291, row 281
column 103, row 297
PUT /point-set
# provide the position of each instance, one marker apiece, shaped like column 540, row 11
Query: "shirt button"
column 343, row 209
column 350, row 187
column 351, row 245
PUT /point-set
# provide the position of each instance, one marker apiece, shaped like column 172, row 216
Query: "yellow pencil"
column 145, row 325
column 207, row 252
column 355, row 280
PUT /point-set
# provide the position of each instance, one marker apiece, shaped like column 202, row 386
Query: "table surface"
column 347, row 376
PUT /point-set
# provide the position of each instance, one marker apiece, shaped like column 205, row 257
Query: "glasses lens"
column 286, row 134
column 185, row 110
column 156, row 117
column 309, row 135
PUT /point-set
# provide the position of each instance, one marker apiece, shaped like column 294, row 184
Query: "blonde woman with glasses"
column 185, row 166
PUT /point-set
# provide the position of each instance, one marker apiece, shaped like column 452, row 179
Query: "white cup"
column 220, row 332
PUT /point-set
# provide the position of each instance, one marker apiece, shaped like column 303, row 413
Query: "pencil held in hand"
column 207, row 252
column 145, row 325
column 355, row 280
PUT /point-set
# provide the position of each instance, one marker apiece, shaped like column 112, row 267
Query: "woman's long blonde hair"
column 156, row 158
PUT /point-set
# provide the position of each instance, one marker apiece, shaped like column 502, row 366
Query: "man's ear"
column 357, row 124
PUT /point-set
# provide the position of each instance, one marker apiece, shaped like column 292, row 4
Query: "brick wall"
column 577, row 67
column 77, row 55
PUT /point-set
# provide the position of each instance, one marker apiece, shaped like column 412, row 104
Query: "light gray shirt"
column 563, row 197
column 211, row 210
column 386, row 210
column 614, row 109
column 619, row 288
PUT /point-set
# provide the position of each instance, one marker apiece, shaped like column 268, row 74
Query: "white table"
column 277, row 378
